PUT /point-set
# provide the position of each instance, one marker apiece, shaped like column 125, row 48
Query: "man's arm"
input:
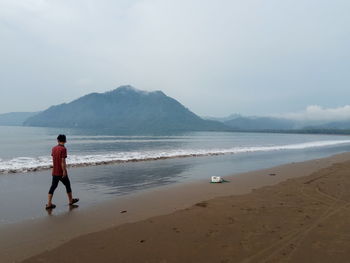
column 64, row 166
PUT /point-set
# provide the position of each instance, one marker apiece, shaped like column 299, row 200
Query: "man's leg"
column 49, row 199
column 55, row 180
column 65, row 180
column 70, row 198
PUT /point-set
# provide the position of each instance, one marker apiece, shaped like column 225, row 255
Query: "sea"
column 103, row 167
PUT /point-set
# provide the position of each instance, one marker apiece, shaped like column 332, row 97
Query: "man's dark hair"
column 61, row 138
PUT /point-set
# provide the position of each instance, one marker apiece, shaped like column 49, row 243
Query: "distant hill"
column 271, row 124
column 222, row 119
column 344, row 125
column 125, row 109
column 15, row 118
column 259, row 123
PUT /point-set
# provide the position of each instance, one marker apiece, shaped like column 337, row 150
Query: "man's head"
column 61, row 139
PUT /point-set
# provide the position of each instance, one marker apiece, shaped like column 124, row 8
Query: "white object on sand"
column 216, row 179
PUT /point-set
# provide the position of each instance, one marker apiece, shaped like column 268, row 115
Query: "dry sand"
column 304, row 219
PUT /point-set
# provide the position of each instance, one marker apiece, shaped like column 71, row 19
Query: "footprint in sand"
column 176, row 230
column 202, row 204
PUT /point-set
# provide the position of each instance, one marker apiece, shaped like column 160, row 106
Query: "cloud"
column 318, row 113
column 216, row 57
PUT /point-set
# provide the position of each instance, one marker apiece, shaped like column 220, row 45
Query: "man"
column 59, row 171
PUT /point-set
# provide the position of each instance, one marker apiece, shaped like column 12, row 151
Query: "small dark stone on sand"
column 124, row 211
column 272, row 174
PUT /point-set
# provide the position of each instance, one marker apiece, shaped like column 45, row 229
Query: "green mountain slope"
column 125, row 109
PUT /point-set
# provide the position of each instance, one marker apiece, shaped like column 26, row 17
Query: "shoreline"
column 23, row 240
column 98, row 163
column 152, row 156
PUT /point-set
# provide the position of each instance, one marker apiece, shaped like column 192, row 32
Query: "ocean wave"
column 28, row 164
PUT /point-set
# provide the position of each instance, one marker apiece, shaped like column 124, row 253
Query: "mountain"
column 124, row 109
column 342, row 125
column 15, row 118
column 259, row 123
column 273, row 124
column 222, row 119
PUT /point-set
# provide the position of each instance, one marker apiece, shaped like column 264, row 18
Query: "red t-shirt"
column 58, row 152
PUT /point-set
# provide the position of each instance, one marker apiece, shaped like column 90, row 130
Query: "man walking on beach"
column 59, row 171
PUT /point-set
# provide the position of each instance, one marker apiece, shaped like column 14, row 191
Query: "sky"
column 220, row 57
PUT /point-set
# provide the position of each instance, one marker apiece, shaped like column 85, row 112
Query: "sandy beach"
column 292, row 213
column 116, row 117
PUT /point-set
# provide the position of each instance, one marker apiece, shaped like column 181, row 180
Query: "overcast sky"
column 217, row 57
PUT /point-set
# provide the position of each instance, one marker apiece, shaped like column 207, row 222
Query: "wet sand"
column 257, row 217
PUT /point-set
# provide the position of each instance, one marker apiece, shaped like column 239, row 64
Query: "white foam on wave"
column 27, row 164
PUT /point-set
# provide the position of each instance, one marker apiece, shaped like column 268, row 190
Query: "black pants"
column 64, row 180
